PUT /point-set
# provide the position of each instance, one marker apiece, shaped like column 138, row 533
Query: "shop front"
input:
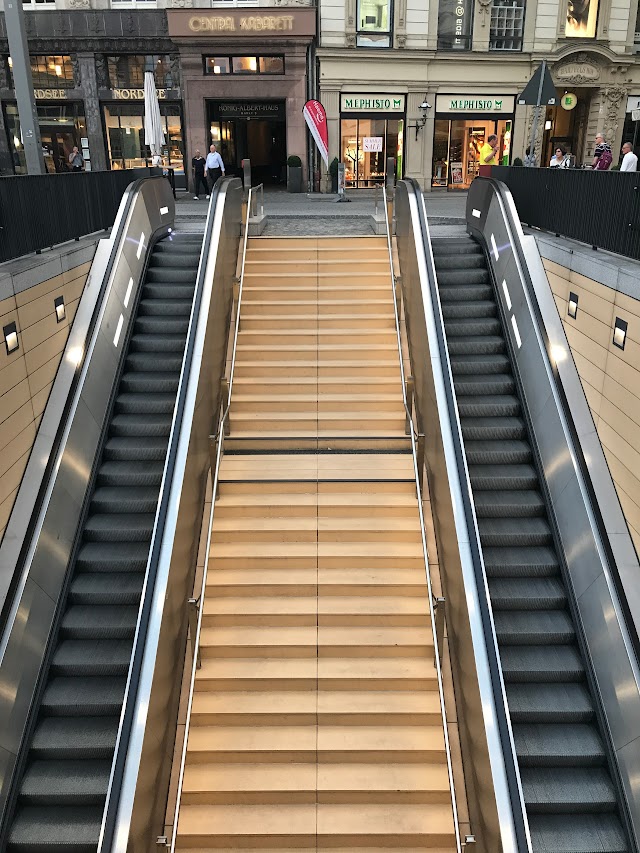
column 462, row 126
column 244, row 80
column 62, row 126
column 371, row 132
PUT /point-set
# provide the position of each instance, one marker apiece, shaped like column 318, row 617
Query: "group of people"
column 602, row 157
column 206, row 171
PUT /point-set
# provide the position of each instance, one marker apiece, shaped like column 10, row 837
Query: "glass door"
column 366, row 144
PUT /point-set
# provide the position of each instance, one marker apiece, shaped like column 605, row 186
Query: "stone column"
column 614, row 104
column 87, row 68
column 331, row 102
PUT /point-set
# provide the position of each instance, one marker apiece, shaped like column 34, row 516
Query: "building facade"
column 420, row 83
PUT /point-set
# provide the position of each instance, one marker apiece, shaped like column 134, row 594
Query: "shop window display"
column 456, row 149
column 125, row 136
column 366, row 144
column 61, row 127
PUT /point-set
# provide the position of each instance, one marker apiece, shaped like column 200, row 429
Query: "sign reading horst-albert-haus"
column 503, row 105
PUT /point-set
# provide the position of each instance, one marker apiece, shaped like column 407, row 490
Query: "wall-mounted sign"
column 372, row 143
column 274, row 110
column 138, row 94
column 577, row 72
column 372, row 103
column 633, row 103
column 503, row 105
column 581, row 19
column 569, row 101
column 242, row 23
column 50, row 94
column 455, row 18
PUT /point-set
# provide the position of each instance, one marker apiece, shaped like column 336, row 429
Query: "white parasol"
column 153, row 133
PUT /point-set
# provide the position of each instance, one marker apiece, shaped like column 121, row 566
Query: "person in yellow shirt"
column 488, row 155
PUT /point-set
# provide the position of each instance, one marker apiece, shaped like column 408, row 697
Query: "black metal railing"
column 598, row 208
column 39, row 211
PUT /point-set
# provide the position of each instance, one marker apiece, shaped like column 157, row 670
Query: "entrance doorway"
column 366, row 143
column 566, row 127
column 256, row 130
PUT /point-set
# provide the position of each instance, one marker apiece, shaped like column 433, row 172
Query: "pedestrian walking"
column 602, row 156
column 198, row 165
column 629, row 159
column 75, row 160
column 214, row 167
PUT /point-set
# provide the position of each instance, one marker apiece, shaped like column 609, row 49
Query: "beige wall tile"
column 7, row 305
column 615, row 444
column 12, row 375
column 72, row 307
column 73, row 289
column 624, row 478
column 39, row 290
column 626, row 374
column 559, row 285
column 42, row 331
column 15, row 423
column 633, row 329
column 593, row 329
column 47, row 350
column 588, row 371
column 592, row 286
column 16, row 448
column 625, row 400
column 632, row 516
column 585, row 346
column 620, row 422
column 9, row 358
column 77, row 272
column 557, row 269
column 11, row 479
column 14, row 400
column 38, row 309
column 630, row 305
column 5, row 511
column 43, row 376
column 594, row 398
column 597, row 307
column 39, row 400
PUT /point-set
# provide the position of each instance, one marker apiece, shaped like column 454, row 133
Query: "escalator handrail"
column 518, row 809
column 515, row 227
column 107, row 839
column 117, row 239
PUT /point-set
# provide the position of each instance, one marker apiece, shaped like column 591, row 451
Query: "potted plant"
column 333, row 171
column 294, row 174
column 517, row 162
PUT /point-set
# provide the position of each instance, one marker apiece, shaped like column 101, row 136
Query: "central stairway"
column 316, row 719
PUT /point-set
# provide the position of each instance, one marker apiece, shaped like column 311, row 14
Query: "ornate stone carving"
column 538, row 147
column 293, row 2
column 102, row 72
column 579, row 68
column 182, row 4
column 401, row 40
column 62, row 24
column 79, row 4
column 4, row 75
column 76, row 71
column 351, row 39
column 613, row 99
column 485, row 10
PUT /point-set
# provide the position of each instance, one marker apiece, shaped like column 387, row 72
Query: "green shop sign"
column 467, row 104
column 372, row 103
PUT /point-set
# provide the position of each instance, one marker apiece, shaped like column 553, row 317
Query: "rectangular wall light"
column 10, row 333
column 58, row 304
column 572, row 309
column 620, row 333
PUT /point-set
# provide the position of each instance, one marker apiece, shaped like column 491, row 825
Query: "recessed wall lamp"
column 620, row 333
column 58, row 304
column 572, row 308
column 425, row 106
column 10, row 333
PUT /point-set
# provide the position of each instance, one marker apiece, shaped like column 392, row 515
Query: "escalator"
column 61, row 795
column 571, row 800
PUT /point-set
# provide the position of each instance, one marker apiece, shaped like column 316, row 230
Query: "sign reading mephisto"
column 503, row 105
column 372, row 103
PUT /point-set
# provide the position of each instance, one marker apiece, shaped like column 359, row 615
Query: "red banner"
column 316, row 118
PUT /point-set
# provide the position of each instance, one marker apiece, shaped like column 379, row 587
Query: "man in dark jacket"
column 197, row 165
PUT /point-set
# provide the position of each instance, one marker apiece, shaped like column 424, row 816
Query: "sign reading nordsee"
column 372, row 103
column 483, row 104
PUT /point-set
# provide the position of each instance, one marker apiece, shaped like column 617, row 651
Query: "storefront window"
column 244, row 64
column 217, row 65
column 127, row 71
column 457, row 144
column 48, row 72
column 374, row 23
column 125, row 136
column 272, row 64
column 366, row 143
column 507, row 25
column 61, row 127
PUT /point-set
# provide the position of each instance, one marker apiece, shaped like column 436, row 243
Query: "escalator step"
column 157, row 343
column 92, row 657
column 477, row 275
column 130, row 474
column 106, row 588
column 471, row 260
column 496, row 453
column 497, row 406
column 549, row 703
column 481, row 326
column 462, row 365
column 113, row 557
column 474, row 344
column 170, row 274
column 161, row 307
column 533, row 627
column 490, row 384
column 75, row 738
column 128, row 499
column 173, row 326
column 526, row 562
column 524, row 664
column 108, row 622
column 142, row 426
column 119, row 528
column 56, row 829
column 493, row 429
column 558, row 745
column 567, row 790
column 79, row 783
column 502, row 477
column 86, row 696
column 529, row 593
column 142, row 362
column 136, row 449
column 516, row 532
column 147, row 382
column 145, row 404
column 161, row 290
column 454, row 247
column 509, row 504
column 469, row 309
column 584, row 833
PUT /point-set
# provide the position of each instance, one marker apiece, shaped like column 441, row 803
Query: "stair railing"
column 436, row 605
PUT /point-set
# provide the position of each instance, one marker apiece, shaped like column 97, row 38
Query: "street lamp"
column 425, row 106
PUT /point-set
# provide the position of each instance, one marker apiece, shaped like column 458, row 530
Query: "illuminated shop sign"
column 50, row 94
column 135, row 94
column 468, row 104
column 372, row 103
column 247, row 24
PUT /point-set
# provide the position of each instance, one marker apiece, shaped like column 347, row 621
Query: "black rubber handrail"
column 511, row 765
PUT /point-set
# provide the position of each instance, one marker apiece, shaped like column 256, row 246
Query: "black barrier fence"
column 39, row 211
column 598, row 208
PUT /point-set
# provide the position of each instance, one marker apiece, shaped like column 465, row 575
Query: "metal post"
column 409, row 414
column 420, row 461
column 224, row 390
column 246, row 177
column 194, row 607
column 23, row 84
column 536, row 115
column 438, row 640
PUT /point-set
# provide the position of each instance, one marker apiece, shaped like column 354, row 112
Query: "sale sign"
column 316, row 118
column 372, row 143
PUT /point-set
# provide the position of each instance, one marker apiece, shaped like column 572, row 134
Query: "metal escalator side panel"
column 142, row 762
column 600, row 562
column 70, row 435
column 497, row 808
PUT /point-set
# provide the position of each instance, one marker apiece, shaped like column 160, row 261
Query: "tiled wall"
column 610, row 376
column 26, row 375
